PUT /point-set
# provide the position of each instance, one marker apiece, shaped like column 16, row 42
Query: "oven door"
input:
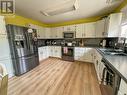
column 68, row 53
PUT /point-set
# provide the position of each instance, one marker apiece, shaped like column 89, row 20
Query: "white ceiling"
column 87, row 8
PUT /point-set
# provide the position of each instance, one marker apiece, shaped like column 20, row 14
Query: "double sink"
column 115, row 52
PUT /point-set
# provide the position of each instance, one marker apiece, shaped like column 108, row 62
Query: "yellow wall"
column 85, row 20
column 22, row 21
column 121, row 6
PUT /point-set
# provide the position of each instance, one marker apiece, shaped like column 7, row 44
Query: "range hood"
column 66, row 6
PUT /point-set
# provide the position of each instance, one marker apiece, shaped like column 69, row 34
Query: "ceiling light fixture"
column 68, row 6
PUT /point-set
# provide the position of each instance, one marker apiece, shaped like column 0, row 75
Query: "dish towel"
column 65, row 50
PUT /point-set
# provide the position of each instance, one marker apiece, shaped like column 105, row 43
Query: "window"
column 124, row 31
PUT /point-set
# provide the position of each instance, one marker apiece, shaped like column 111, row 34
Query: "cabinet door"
column 47, row 51
column 59, row 32
column 114, row 25
column 54, row 32
column 123, row 88
column 80, row 31
column 47, row 32
column 88, row 55
column 83, row 54
column 100, row 28
column 101, row 68
column 52, row 51
column 98, row 65
column 69, row 28
column 2, row 26
column 58, row 51
column 40, row 32
column 40, row 53
column 90, row 30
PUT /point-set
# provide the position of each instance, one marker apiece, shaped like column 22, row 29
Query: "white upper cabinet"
column 2, row 26
column 40, row 32
column 86, row 30
column 57, row 32
column 47, row 32
column 69, row 28
column 80, row 30
column 54, row 32
column 113, row 25
column 110, row 26
column 90, row 30
column 100, row 28
column 107, row 27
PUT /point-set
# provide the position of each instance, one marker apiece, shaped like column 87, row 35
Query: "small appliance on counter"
column 103, row 43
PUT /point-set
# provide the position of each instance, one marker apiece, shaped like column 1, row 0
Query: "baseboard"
column 55, row 57
column 83, row 61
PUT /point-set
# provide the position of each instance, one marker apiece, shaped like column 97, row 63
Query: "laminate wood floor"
column 57, row 77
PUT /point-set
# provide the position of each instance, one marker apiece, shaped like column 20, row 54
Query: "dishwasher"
column 110, row 80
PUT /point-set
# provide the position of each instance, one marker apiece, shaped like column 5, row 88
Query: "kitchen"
column 63, row 50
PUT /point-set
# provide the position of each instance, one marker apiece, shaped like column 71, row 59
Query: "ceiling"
column 87, row 8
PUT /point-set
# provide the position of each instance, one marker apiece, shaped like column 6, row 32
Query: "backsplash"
column 94, row 42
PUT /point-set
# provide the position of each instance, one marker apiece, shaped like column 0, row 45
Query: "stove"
column 68, row 53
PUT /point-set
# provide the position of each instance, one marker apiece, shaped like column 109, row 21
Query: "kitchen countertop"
column 117, row 63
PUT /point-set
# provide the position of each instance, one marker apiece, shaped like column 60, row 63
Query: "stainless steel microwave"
column 69, row 35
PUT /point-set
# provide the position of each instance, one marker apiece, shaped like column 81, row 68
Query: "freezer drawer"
column 25, row 64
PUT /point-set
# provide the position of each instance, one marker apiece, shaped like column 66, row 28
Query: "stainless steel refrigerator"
column 24, row 48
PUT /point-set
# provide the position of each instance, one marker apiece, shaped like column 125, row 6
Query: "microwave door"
column 69, row 35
